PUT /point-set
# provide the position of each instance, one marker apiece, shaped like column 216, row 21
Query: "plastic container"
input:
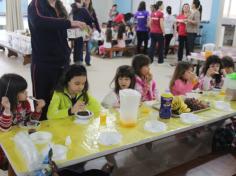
column 165, row 109
column 129, row 106
column 230, row 86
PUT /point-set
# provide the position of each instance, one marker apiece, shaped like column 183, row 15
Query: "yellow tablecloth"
column 85, row 137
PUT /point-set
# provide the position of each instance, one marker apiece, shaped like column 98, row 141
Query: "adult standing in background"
column 122, row 18
column 89, row 6
column 193, row 23
column 169, row 29
column 141, row 16
column 80, row 13
column 48, row 21
column 157, row 32
column 182, row 34
column 113, row 12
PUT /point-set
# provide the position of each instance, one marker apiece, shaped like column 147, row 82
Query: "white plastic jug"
column 230, row 86
column 129, row 105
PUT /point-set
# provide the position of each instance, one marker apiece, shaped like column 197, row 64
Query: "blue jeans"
column 78, row 51
column 156, row 38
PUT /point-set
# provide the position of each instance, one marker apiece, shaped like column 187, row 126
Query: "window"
column 24, row 5
column 2, row 7
column 230, row 9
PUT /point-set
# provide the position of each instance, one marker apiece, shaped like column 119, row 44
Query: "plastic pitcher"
column 129, row 105
column 230, row 86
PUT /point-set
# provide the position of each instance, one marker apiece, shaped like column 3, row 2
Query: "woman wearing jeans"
column 182, row 31
column 157, row 32
column 193, row 22
column 141, row 17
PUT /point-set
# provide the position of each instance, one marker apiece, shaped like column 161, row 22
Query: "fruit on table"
column 195, row 104
column 178, row 105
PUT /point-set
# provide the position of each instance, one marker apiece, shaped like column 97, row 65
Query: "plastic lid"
column 232, row 76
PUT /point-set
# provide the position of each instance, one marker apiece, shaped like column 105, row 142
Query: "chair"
column 209, row 47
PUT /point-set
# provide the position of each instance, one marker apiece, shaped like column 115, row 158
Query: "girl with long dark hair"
column 71, row 95
column 141, row 17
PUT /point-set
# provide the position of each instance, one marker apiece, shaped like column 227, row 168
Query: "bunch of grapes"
column 195, row 104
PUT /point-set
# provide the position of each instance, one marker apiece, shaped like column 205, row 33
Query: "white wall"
column 102, row 8
column 176, row 6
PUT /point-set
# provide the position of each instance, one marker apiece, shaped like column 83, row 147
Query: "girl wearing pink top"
column 183, row 80
column 144, row 81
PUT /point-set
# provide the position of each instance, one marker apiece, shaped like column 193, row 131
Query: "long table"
column 14, row 52
column 200, row 58
column 85, row 144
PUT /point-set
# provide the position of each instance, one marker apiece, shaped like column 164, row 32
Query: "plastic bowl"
column 189, row 118
column 41, row 137
column 84, row 115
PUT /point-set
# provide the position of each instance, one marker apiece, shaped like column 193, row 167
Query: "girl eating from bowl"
column 71, row 95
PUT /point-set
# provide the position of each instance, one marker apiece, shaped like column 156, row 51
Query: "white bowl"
column 109, row 138
column 189, row 118
column 32, row 124
column 41, row 137
column 59, row 152
column 155, row 126
column 84, row 117
column 223, row 106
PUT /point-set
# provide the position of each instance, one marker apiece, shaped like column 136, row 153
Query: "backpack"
column 224, row 138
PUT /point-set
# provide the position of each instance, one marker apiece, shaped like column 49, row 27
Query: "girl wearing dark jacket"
column 82, row 14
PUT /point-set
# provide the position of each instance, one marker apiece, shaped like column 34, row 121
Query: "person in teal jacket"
column 71, row 95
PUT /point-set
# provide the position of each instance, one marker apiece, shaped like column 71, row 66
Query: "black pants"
column 142, row 36
column 182, row 44
column 78, row 51
column 156, row 38
column 168, row 38
column 190, row 41
column 44, row 79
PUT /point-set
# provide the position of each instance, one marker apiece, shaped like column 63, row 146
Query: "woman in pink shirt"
column 157, row 32
column 183, row 80
column 182, row 31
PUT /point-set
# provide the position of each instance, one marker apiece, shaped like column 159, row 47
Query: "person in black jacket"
column 48, row 24
column 80, row 13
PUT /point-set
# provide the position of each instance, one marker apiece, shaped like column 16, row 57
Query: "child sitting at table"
column 228, row 64
column 144, row 80
column 15, row 107
column 107, row 42
column 124, row 79
column 183, row 80
column 212, row 74
column 71, row 95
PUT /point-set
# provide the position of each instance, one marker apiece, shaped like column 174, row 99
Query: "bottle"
column 165, row 109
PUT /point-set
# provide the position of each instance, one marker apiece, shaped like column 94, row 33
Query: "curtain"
column 14, row 18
